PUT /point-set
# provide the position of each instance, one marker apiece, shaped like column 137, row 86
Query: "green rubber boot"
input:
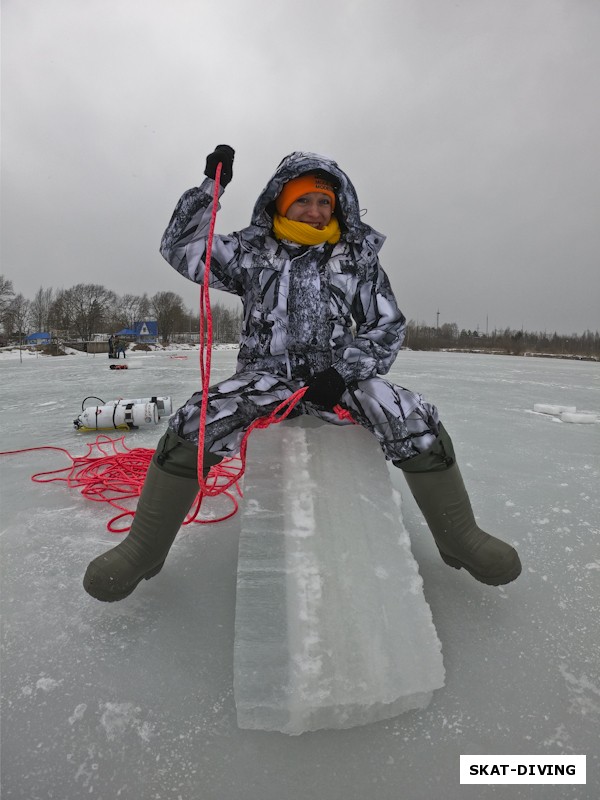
column 169, row 490
column 437, row 485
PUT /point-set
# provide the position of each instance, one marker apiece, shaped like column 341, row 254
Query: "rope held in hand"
column 207, row 486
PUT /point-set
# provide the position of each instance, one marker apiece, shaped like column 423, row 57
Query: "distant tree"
column 6, row 295
column 39, row 312
column 226, row 323
column 86, row 306
column 59, row 318
column 133, row 308
column 449, row 330
column 15, row 317
column 169, row 313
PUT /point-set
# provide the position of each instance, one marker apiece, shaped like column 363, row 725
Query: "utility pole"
column 437, row 324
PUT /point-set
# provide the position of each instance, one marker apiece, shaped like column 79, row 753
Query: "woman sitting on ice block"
column 318, row 312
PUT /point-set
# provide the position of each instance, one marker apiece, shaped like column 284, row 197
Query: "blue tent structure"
column 38, row 338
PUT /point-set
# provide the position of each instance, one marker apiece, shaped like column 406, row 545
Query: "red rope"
column 206, row 336
column 110, row 475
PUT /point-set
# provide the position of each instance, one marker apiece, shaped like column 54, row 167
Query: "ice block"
column 332, row 628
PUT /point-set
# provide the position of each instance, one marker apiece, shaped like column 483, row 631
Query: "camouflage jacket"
column 305, row 308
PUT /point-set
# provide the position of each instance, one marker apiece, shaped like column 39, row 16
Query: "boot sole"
column 111, row 597
column 499, row 580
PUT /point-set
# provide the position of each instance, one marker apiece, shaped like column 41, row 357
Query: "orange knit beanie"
column 303, row 185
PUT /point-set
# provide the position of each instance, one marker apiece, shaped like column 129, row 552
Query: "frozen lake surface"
column 135, row 699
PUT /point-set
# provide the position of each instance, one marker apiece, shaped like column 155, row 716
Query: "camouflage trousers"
column 402, row 421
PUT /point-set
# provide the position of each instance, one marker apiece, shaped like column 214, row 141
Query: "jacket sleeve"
column 184, row 242
column 380, row 329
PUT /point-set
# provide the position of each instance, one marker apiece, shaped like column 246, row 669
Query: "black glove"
column 223, row 154
column 325, row 389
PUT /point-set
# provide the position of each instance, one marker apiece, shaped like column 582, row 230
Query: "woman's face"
column 313, row 209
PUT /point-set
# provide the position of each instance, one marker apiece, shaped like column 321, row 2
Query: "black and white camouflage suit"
column 305, row 309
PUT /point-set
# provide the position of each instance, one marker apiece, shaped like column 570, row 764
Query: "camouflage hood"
column 297, row 163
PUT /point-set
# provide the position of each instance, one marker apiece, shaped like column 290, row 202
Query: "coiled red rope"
column 110, row 472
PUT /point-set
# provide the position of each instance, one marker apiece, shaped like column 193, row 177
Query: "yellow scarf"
column 301, row 233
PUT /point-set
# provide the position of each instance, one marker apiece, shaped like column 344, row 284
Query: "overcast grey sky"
column 470, row 130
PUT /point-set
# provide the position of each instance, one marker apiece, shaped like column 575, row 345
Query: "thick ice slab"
column 332, row 629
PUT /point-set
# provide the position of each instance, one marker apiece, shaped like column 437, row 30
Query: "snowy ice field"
column 135, row 700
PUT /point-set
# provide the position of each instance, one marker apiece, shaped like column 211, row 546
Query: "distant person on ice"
column 318, row 312
column 118, row 347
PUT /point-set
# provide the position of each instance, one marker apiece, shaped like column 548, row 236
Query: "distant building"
column 146, row 331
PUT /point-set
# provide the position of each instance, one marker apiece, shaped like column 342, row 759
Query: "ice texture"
column 134, row 700
column 332, row 628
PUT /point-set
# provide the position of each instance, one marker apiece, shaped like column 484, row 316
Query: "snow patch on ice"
column 253, row 506
column 118, row 718
column 585, row 695
column 78, row 713
column 47, row 684
column 560, row 738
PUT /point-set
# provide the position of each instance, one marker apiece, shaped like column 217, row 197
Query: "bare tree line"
column 88, row 309
column 448, row 336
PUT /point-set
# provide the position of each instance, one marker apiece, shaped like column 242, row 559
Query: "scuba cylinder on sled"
column 117, row 415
